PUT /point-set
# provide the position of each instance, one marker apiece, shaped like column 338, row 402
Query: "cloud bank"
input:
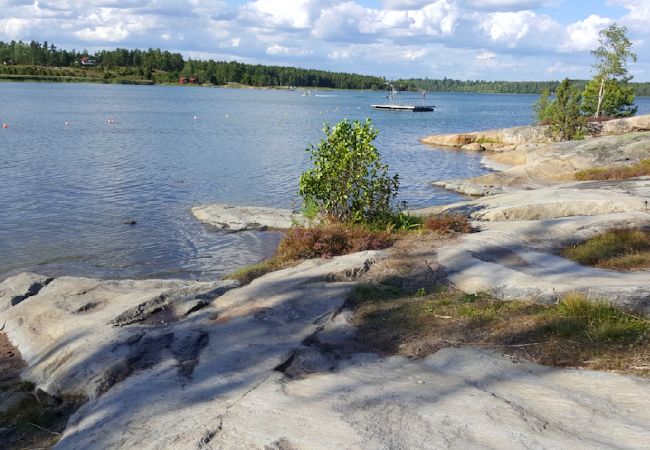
column 467, row 39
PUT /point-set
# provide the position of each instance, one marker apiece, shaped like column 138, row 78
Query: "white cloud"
column 287, row 51
column 583, row 35
column 15, row 28
column 485, row 55
column 103, row 34
column 458, row 38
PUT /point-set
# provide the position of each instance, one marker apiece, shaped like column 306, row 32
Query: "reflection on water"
column 70, row 179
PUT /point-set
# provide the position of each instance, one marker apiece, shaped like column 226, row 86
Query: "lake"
column 70, row 179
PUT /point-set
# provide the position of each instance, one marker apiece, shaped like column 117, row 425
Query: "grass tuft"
column 576, row 332
column 618, row 249
column 578, row 317
column 639, row 169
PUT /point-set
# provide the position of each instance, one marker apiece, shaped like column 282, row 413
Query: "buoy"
column 5, row 125
column 227, row 116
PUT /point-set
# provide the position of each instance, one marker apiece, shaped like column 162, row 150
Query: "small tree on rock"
column 565, row 117
column 348, row 182
column 611, row 69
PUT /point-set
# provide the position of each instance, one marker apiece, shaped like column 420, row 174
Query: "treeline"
column 496, row 87
column 45, row 59
column 163, row 66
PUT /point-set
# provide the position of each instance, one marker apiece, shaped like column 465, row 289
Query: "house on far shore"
column 86, row 61
column 188, row 80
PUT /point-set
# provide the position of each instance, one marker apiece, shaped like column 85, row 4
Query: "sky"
column 462, row 39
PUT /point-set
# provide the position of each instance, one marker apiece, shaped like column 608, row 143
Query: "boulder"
column 473, row 147
column 626, row 125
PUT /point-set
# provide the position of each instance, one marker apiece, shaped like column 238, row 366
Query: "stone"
column 626, row 125
column 240, row 218
column 20, row 287
column 496, row 138
column 473, row 147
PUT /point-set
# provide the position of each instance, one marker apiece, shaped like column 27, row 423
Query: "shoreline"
column 236, row 356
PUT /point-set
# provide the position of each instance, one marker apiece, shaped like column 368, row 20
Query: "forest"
column 44, row 61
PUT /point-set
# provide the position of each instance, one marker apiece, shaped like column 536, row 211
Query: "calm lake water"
column 66, row 190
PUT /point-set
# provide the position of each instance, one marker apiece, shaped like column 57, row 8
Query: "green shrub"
column 348, row 182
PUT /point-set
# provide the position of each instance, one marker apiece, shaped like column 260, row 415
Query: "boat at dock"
column 395, row 103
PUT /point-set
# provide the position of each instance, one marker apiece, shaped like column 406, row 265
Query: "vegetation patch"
column 488, row 140
column 577, row 332
column 640, row 169
column 618, row 249
column 447, row 224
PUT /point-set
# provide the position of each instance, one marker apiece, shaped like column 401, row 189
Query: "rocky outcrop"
column 490, row 139
column 626, row 125
column 240, row 218
column 520, row 259
column 586, row 198
column 455, row 398
column 504, row 139
column 161, row 361
column 535, row 166
column 275, row 364
column 516, row 252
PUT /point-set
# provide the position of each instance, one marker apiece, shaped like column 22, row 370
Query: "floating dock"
column 413, row 108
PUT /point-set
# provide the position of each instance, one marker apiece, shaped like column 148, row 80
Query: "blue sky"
column 465, row 39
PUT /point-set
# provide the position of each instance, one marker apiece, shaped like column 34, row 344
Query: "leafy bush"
column 348, row 182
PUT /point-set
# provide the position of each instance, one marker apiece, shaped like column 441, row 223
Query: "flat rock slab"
column 240, row 218
column 455, row 398
column 78, row 335
column 156, row 373
column 519, row 260
column 563, row 200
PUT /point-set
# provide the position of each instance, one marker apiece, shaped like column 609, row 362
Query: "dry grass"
column 447, row 224
column 575, row 333
column 325, row 241
column 618, row 249
column 639, row 169
column 330, row 240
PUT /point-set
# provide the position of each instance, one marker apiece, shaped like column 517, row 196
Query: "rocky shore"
column 278, row 363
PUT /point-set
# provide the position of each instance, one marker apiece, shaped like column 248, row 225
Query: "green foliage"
column 610, row 66
column 544, row 107
column 564, row 113
column 348, row 182
column 578, row 317
column 617, row 101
